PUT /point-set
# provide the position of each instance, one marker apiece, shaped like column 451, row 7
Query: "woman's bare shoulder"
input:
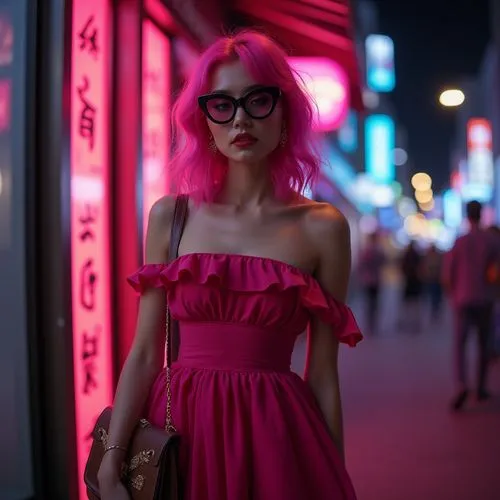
column 158, row 231
column 321, row 213
column 325, row 224
column 162, row 212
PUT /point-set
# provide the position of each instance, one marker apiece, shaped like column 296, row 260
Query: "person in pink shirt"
column 465, row 278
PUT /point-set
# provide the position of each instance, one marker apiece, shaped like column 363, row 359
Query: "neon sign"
column 327, row 84
column 155, row 115
column 5, row 104
column 90, row 219
column 480, row 165
column 452, row 208
column 380, row 141
column 380, row 73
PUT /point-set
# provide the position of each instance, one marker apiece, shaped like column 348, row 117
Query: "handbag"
column 151, row 467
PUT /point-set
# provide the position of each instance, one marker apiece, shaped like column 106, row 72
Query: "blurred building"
column 86, row 91
column 474, row 155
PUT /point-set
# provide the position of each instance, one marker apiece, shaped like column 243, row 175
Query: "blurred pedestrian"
column 466, row 277
column 431, row 275
column 371, row 263
column 411, row 269
column 494, row 279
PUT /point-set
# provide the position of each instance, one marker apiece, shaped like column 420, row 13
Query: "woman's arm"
column 146, row 356
column 331, row 235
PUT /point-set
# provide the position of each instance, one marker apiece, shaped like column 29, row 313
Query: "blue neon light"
column 452, row 208
column 379, row 142
column 380, row 72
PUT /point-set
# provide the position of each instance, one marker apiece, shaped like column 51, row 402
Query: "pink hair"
column 200, row 172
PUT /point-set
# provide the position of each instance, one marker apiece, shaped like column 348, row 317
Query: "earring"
column 212, row 146
column 283, row 138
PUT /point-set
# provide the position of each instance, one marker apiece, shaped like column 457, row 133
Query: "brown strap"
column 178, row 223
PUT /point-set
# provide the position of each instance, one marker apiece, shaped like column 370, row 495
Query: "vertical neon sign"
column 5, row 104
column 380, row 72
column 480, row 164
column 379, row 143
column 155, row 116
column 90, row 218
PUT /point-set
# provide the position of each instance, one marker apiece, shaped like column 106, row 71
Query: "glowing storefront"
column 106, row 72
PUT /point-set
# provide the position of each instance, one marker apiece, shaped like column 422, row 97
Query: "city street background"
column 402, row 442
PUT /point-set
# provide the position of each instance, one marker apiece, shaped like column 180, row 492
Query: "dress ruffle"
column 241, row 273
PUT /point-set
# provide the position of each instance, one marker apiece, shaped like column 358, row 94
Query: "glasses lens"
column 259, row 103
column 220, row 109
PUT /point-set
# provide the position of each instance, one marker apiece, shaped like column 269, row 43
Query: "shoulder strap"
column 178, row 223
column 171, row 327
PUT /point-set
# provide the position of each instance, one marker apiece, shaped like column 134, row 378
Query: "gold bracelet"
column 115, row 447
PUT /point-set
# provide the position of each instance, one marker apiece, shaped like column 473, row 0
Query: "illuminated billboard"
column 90, row 219
column 327, row 84
column 452, row 208
column 379, row 148
column 380, row 72
column 480, row 170
column 155, row 117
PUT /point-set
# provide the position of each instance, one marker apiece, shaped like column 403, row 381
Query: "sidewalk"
column 402, row 443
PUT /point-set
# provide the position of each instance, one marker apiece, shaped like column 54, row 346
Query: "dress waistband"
column 233, row 346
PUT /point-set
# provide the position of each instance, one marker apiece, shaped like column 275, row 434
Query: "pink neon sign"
column 480, row 164
column 155, row 116
column 479, row 134
column 327, row 84
column 90, row 218
column 5, row 104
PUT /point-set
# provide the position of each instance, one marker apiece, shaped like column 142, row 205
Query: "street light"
column 452, row 98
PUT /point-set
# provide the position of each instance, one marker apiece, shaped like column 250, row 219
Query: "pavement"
column 402, row 442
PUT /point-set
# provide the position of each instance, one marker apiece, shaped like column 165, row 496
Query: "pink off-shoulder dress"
column 250, row 428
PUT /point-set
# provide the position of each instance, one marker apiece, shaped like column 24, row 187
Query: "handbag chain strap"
column 169, row 422
column 178, row 223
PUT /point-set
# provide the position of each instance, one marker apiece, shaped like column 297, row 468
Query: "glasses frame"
column 275, row 93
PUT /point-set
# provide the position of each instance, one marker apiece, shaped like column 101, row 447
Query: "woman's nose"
column 241, row 118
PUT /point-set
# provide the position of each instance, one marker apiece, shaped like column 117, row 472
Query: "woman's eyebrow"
column 245, row 90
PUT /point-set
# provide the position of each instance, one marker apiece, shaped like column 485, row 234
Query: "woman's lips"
column 244, row 141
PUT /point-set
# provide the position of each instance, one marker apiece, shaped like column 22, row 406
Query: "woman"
column 258, row 263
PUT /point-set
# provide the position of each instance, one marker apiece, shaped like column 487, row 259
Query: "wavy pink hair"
column 201, row 173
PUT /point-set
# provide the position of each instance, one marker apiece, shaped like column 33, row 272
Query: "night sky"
column 436, row 43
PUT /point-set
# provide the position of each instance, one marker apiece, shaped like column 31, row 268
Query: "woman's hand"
column 110, row 484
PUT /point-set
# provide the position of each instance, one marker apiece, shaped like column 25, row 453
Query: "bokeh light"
column 424, row 196
column 421, row 181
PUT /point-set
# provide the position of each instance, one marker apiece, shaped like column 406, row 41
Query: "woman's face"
column 244, row 139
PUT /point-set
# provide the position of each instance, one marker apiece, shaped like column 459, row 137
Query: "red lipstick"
column 244, row 140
